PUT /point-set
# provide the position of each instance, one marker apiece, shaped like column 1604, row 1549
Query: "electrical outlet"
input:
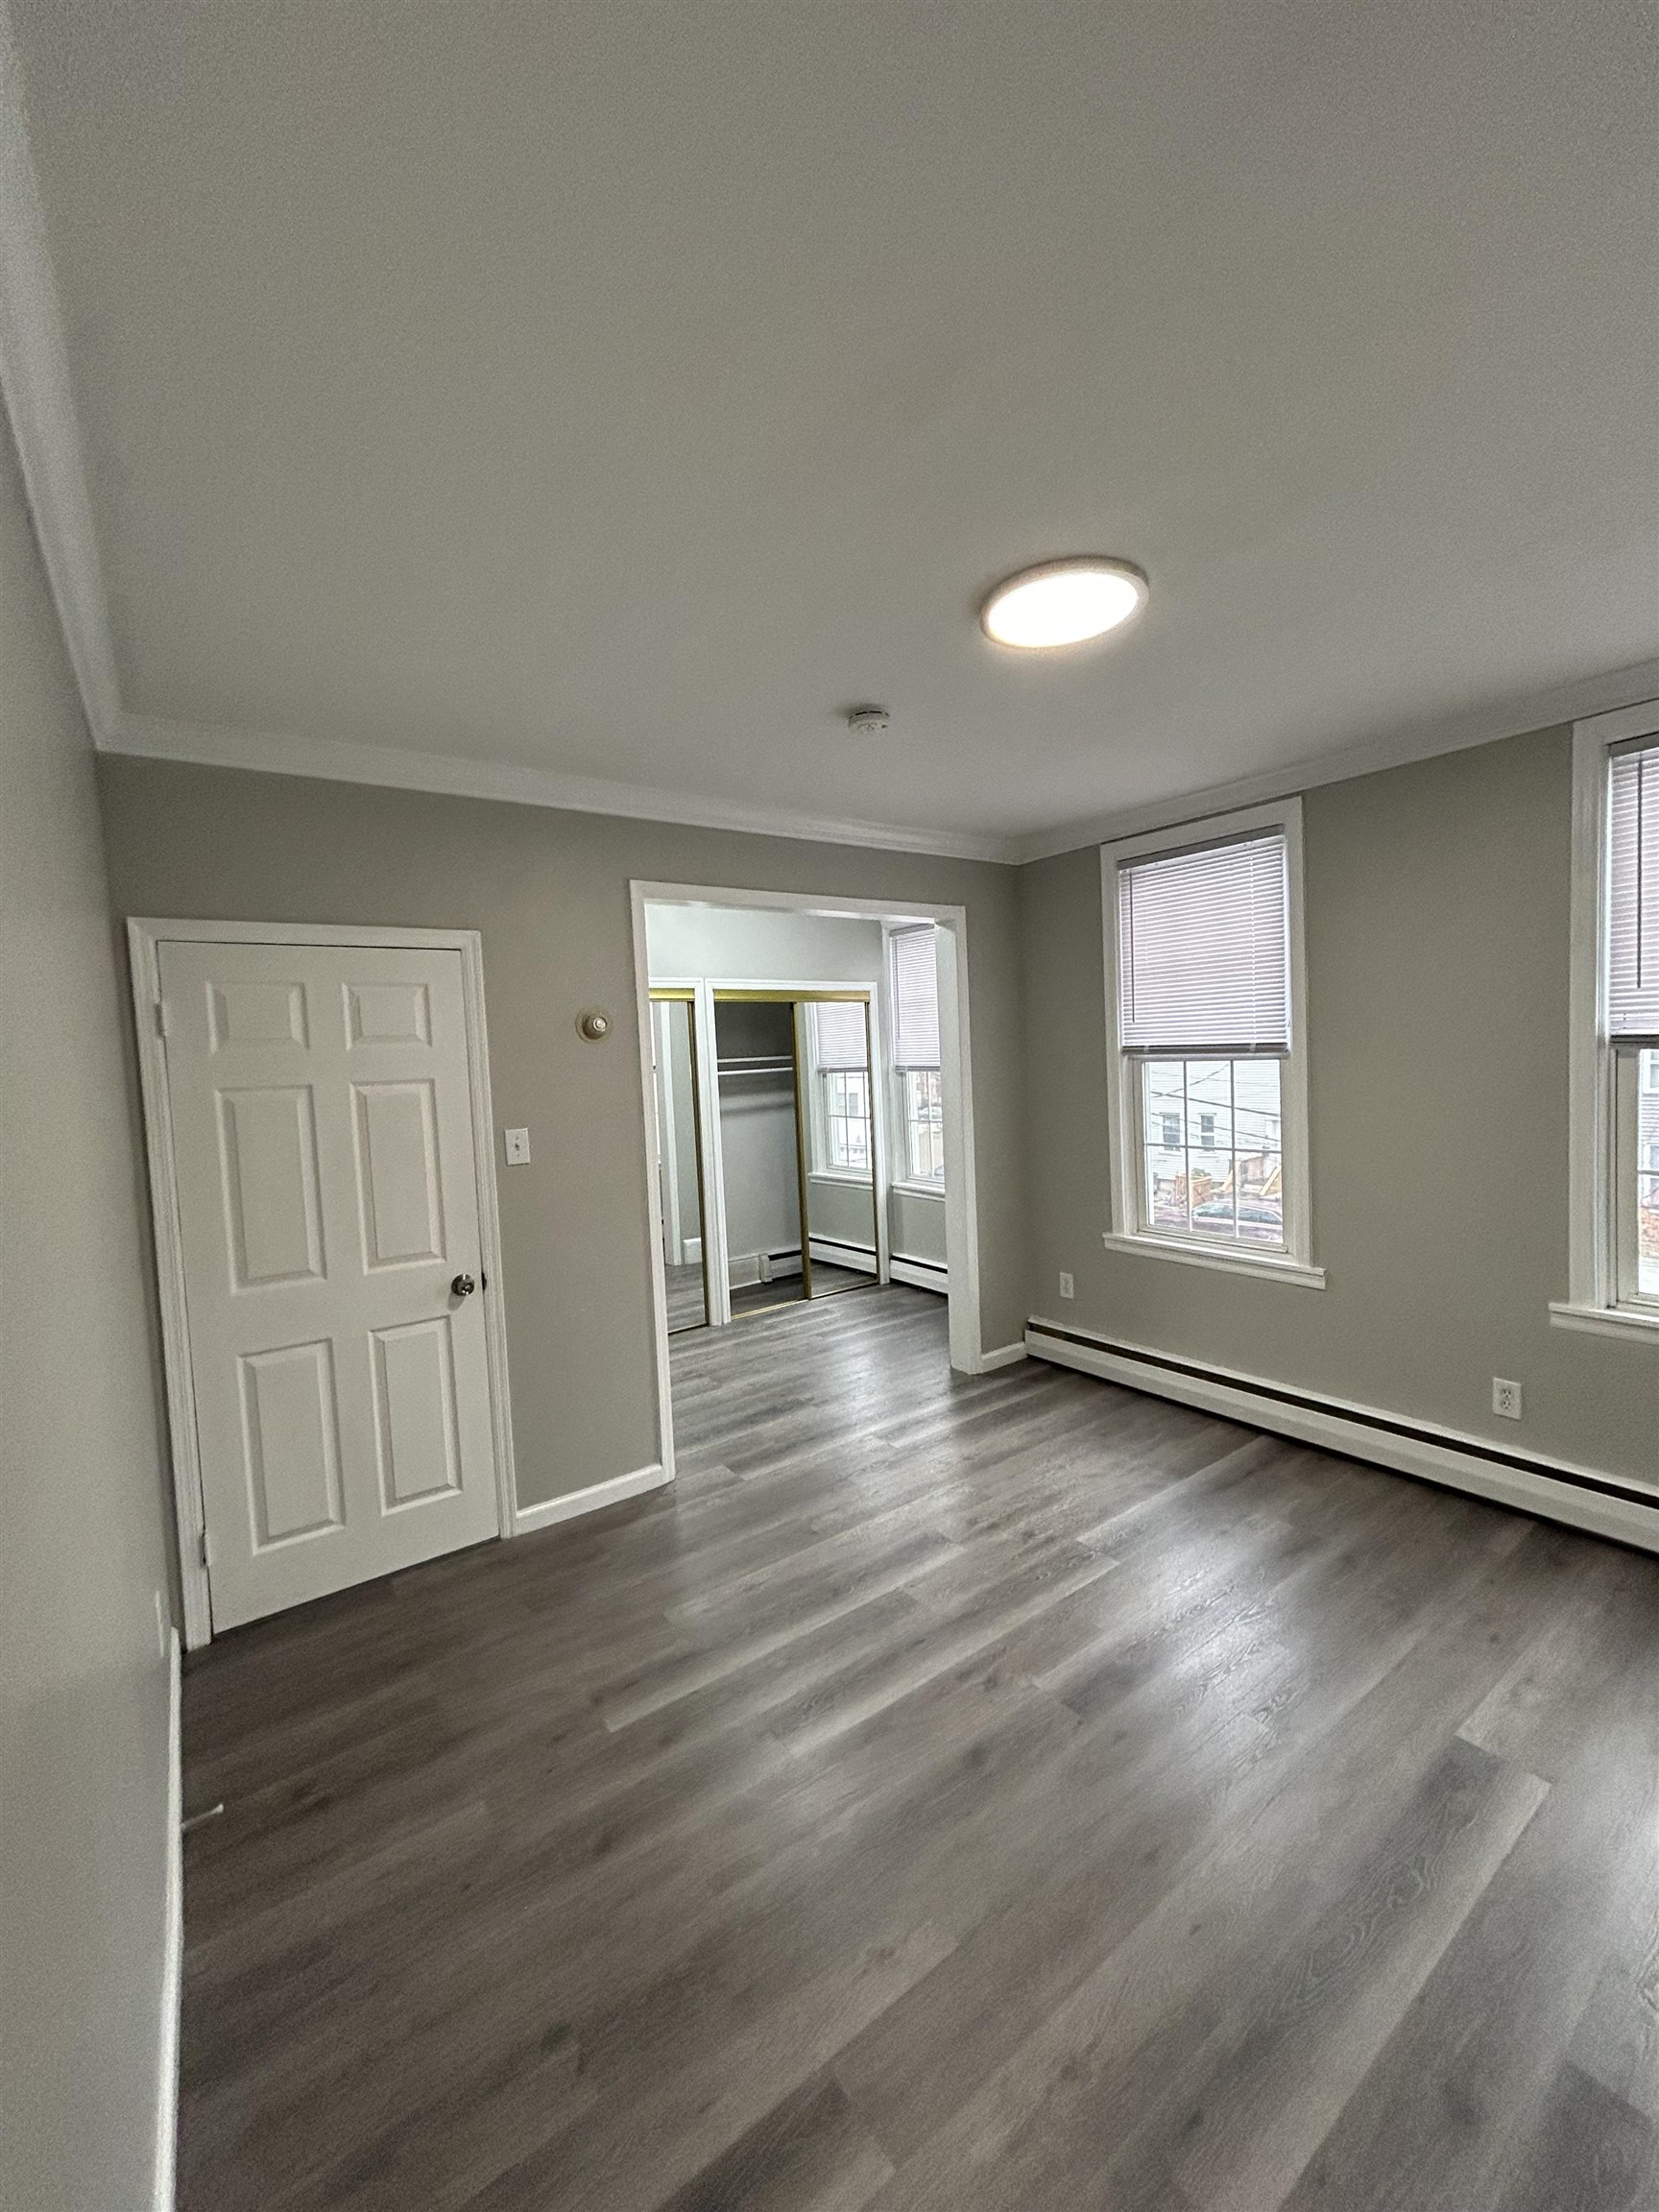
column 1505, row 1398
column 1067, row 1287
column 517, row 1143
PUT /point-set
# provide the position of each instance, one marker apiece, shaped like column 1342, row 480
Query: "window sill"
column 919, row 1189
column 858, row 1178
column 1263, row 1265
column 1605, row 1320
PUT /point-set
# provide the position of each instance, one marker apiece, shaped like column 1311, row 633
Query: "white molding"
column 455, row 776
column 145, row 936
column 163, row 2190
column 1224, row 1258
column 921, row 1274
column 1592, row 1269
column 858, row 1258
column 1605, row 1321
column 1004, row 1356
column 1611, row 690
column 918, row 1191
column 1122, row 1109
column 592, row 1498
column 716, row 1291
column 1449, row 1457
column 39, row 397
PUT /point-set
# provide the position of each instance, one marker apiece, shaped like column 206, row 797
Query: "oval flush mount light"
column 1063, row 602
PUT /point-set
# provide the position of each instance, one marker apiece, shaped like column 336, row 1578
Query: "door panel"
column 414, row 1412
column 328, row 1193
column 267, row 1159
column 398, row 1192
column 292, row 1430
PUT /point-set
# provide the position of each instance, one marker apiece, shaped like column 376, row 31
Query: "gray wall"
column 83, row 1842
column 759, row 1159
column 1437, row 1026
column 917, row 1227
column 549, row 892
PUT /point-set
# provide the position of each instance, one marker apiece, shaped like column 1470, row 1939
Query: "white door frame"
column 145, row 937
column 961, row 1207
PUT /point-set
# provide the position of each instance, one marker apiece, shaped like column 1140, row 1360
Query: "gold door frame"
column 782, row 996
column 687, row 996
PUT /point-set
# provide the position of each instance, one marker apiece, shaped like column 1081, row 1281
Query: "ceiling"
column 623, row 391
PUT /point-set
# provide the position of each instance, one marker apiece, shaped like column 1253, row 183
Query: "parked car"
column 1257, row 1218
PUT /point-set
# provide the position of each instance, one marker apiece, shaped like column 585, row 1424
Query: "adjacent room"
column 830, row 1137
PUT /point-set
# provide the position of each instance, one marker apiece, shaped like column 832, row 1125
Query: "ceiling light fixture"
column 1063, row 602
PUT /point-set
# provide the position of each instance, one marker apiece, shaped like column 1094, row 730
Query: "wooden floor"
column 955, row 1794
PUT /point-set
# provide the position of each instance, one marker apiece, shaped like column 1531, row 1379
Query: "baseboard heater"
column 923, row 1273
column 1605, row 1505
column 835, row 1254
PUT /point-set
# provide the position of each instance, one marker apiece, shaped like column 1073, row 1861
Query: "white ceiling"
column 624, row 391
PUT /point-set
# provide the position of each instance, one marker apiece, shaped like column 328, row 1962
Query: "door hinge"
column 160, row 1016
column 206, row 1550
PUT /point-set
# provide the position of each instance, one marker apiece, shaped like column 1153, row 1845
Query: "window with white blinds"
column 839, row 1038
column 1203, row 948
column 1633, row 892
column 1207, row 1100
column 915, row 999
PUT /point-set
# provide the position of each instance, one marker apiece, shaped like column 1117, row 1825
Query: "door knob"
column 463, row 1286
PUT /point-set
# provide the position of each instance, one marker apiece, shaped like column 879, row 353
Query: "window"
column 914, row 976
column 1612, row 1266
column 840, row 1057
column 1208, row 1090
column 845, row 1120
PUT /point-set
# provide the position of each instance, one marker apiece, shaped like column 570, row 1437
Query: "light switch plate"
column 1068, row 1288
column 517, row 1143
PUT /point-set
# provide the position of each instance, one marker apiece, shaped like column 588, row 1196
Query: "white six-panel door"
column 328, row 1200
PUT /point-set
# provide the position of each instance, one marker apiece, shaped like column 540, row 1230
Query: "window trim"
column 896, row 1070
column 818, row 1121
column 1592, row 1300
column 1295, row 1263
column 818, row 1166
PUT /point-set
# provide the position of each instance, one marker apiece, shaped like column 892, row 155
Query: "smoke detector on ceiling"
column 869, row 721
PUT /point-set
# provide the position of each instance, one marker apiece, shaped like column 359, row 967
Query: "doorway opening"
column 809, row 1126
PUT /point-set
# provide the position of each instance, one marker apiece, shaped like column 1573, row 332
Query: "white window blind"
column 1633, row 892
column 838, row 1033
column 915, row 999
column 1203, row 948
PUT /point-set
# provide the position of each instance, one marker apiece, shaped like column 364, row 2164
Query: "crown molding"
column 41, row 399
column 151, row 737
column 1485, row 726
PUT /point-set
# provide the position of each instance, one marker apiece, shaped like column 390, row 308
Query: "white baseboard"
column 1004, row 1356
column 745, row 1267
column 164, row 2187
column 835, row 1254
column 921, row 1274
column 1583, row 1497
column 593, row 1499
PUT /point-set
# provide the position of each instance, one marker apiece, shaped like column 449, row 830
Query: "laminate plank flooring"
column 966, row 1793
